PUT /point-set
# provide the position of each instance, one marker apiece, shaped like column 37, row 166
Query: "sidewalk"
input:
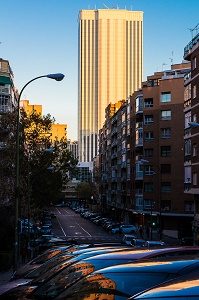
column 5, row 276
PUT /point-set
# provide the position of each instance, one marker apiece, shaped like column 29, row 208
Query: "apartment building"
column 158, row 153
column 57, row 132
column 191, row 132
column 8, row 102
column 114, row 160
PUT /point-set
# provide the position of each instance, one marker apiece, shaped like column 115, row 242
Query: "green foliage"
column 84, row 191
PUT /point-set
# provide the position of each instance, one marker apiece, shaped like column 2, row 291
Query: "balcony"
column 187, row 78
column 139, row 175
column 190, row 46
column 139, row 125
column 139, row 202
column 139, row 142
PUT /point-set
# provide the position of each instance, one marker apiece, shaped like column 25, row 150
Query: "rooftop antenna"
column 171, row 58
column 163, row 65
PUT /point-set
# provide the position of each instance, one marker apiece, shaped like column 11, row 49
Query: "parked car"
column 128, row 238
column 45, row 229
column 73, row 273
column 138, row 243
column 152, row 244
column 184, row 288
column 115, row 228
column 117, row 280
column 128, row 228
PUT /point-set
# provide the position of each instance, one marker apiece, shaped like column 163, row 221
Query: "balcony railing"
column 189, row 47
column 139, row 175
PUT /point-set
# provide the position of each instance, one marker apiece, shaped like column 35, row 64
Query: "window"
column 166, row 168
column 195, row 118
column 148, row 102
column 148, row 187
column 148, row 152
column 165, row 97
column 166, row 205
column 123, row 117
column 148, row 135
column 148, row 119
column 187, row 119
column 165, row 133
column 194, row 63
column 189, row 206
column 165, row 151
column 195, row 178
column 166, row 114
column 148, row 170
column 194, row 149
column 187, row 147
column 123, row 157
column 194, row 91
column 148, row 203
column 166, row 187
column 139, row 104
column 187, row 92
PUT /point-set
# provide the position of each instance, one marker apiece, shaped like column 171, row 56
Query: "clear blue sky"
column 41, row 36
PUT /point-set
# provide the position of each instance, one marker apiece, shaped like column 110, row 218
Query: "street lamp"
column 193, row 124
column 57, row 77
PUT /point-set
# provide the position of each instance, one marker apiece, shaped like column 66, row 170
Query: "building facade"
column 158, row 156
column 110, row 68
column 114, row 161
column 57, row 132
column 191, row 133
column 8, row 103
column 73, row 147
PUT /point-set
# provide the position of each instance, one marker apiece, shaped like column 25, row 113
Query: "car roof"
column 171, row 266
column 185, row 286
column 137, row 253
column 144, row 253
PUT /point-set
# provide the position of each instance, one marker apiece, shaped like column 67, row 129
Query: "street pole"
column 57, row 77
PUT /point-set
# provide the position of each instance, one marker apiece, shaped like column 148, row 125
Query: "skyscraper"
column 110, row 68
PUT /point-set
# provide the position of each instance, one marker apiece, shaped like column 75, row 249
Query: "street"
column 71, row 225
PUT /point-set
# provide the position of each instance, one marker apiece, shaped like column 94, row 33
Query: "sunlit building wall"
column 110, row 68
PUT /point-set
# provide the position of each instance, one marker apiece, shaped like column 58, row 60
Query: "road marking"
column 61, row 227
column 83, row 229
column 58, row 211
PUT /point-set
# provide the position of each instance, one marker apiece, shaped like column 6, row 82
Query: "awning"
column 5, row 80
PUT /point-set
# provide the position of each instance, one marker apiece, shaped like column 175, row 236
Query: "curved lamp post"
column 57, row 77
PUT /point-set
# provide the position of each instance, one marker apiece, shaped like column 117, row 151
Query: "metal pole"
column 16, row 246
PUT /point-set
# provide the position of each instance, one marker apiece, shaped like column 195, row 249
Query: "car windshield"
column 118, row 284
column 64, row 279
column 45, row 256
column 48, row 265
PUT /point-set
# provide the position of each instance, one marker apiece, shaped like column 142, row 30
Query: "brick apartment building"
column 114, row 161
column 191, row 133
column 158, row 143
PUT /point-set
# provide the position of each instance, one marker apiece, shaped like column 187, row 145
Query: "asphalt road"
column 70, row 225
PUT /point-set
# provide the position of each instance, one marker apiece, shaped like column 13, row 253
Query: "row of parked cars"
column 107, row 223
column 107, row 272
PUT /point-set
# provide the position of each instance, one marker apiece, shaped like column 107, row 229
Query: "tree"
column 50, row 165
column 84, row 191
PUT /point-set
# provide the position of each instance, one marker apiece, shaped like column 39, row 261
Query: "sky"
column 41, row 36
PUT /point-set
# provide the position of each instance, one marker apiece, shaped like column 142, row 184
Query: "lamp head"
column 193, row 124
column 56, row 76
